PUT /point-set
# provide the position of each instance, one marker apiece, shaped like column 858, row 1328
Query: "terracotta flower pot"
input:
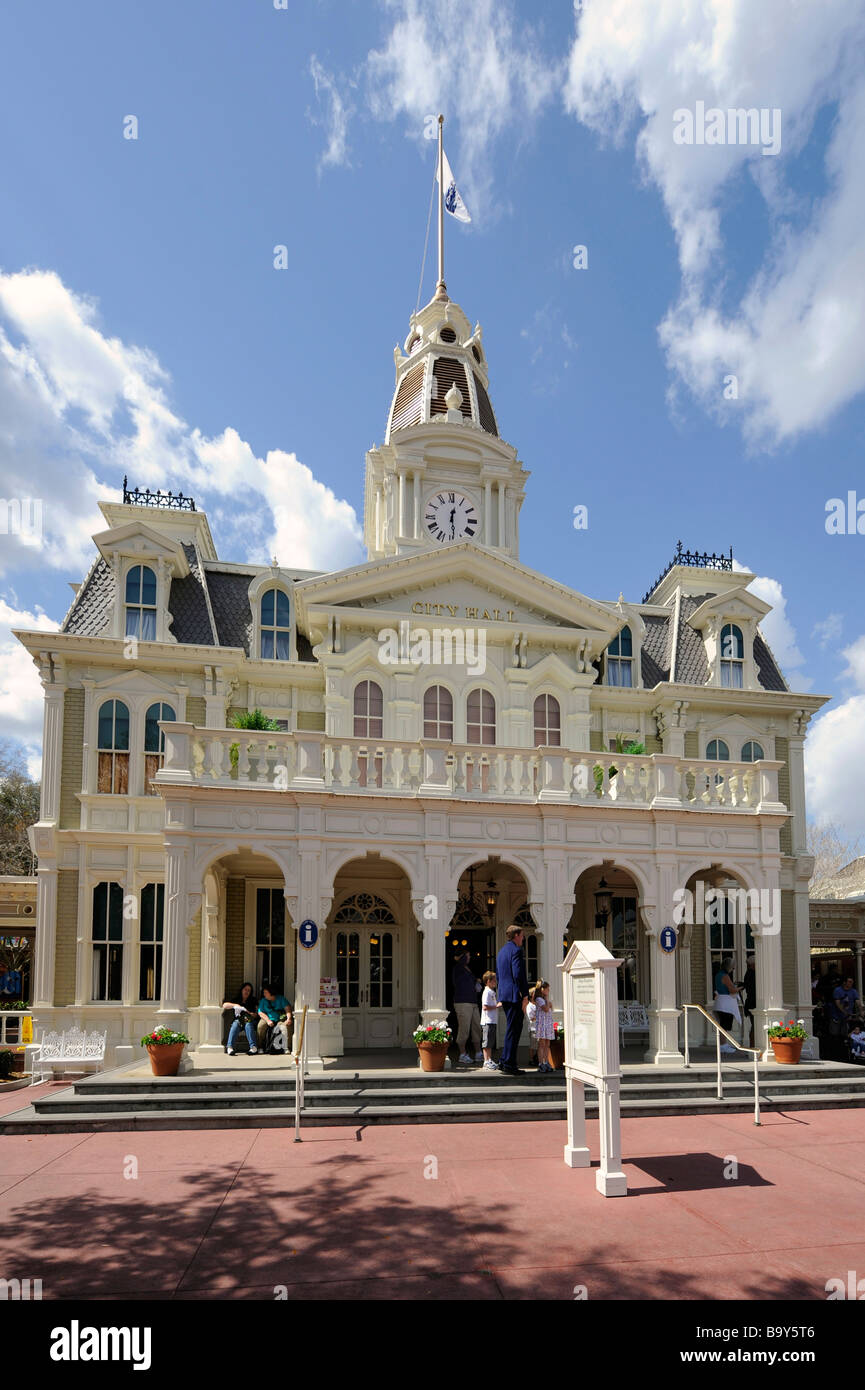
column 432, row 1055
column 557, row 1054
column 165, row 1058
column 787, row 1050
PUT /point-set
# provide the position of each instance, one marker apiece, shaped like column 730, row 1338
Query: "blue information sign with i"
column 308, row 933
column 668, row 939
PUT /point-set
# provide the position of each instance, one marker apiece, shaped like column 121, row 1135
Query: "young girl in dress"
column 543, row 1024
column 531, row 1019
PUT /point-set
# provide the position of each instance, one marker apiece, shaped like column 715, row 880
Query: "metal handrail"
column 740, row 1047
column 299, row 1067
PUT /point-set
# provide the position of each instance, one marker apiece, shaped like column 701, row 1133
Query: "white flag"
column 453, row 202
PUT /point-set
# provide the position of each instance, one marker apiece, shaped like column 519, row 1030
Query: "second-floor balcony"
column 275, row 763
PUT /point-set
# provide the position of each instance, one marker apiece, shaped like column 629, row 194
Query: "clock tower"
column 443, row 473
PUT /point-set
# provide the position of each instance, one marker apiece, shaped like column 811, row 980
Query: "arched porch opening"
column 372, row 950
column 246, row 935
column 607, row 908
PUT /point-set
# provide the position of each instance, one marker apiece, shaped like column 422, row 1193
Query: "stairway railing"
column 299, row 1069
column 719, row 1033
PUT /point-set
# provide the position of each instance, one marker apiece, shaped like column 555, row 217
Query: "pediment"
column 736, row 603
column 135, row 540
column 137, row 682
column 460, row 584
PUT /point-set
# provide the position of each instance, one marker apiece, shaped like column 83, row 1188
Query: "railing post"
column 686, row 1011
column 176, row 766
column 299, row 1060
column 756, row 1091
column 718, row 1059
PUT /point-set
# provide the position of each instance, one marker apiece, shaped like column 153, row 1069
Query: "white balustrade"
column 308, row 761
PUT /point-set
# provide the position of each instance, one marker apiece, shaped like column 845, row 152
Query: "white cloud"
column 473, row 62
column 835, row 753
column 20, row 687
column 829, row 630
column 780, row 633
column 337, row 119
column 794, row 339
column 78, row 408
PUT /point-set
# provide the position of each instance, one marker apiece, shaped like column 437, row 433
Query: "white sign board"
column 592, row 1055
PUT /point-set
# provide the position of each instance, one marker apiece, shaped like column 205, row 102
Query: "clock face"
column 450, row 516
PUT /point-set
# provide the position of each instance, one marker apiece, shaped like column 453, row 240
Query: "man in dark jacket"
column 513, row 994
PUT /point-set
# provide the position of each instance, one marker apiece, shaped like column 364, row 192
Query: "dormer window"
column 141, row 603
column 275, row 626
column 620, row 659
column 732, row 657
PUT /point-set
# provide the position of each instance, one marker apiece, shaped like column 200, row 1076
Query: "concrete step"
column 30, row 1121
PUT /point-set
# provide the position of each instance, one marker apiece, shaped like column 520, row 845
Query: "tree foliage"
column 19, row 808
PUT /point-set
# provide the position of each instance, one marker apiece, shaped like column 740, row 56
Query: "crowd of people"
column 838, row 1012
column 838, row 1016
column 506, row 988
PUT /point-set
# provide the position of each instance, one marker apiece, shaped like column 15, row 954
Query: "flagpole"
column 441, row 291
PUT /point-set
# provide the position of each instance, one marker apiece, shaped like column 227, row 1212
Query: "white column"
column 52, row 750
column 767, row 964
column 501, row 536
column 308, row 905
column 488, row 512
column 175, row 946
column 663, row 1013
column 433, row 927
column 400, row 530
column 415, row 492
column 212, row 963
column 46, row 935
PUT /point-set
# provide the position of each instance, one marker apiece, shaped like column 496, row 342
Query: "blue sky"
column 153, row 334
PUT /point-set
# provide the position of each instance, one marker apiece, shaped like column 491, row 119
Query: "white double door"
column 366, row 965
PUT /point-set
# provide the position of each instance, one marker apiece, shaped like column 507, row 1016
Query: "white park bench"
column 74, row 1049
column 632, row 1019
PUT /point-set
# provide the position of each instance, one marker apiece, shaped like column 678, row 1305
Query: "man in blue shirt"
column 271, row 1008
column 514, row 995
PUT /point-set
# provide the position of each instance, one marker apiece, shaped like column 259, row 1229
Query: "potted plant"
column 787, row 1040
column 623, row 745
column 433, row 1041
column 249, row 719
column 165, row 1049
column 557, row 1047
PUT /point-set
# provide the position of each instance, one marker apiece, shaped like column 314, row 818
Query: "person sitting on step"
column 273, row 1009
column 245, row 1008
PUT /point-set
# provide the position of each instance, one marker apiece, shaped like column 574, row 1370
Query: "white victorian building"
column 462, row 742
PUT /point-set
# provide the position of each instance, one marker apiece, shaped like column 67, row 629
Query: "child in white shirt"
column 489, row 1004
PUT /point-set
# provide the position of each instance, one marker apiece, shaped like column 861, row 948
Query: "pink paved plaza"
column 350, row 1214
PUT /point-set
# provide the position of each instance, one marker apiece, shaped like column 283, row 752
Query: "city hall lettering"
column 467, row 611
column 578, row 765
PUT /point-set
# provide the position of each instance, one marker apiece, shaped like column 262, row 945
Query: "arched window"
column 717, row 751
column 620, row 659
column 752, row 752
column 141, row 603
column 275, row 626
column 107, row 941
column 732, row 657
column 154, row 743
column 113, row 748
column 150, row 935
column 368, row 710
column 480, row 717
column 548, row 722
column 438, row 713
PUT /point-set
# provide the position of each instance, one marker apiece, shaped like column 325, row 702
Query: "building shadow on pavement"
column 693, row 1172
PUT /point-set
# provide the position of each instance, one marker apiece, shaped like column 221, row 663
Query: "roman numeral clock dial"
column 450, row 516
